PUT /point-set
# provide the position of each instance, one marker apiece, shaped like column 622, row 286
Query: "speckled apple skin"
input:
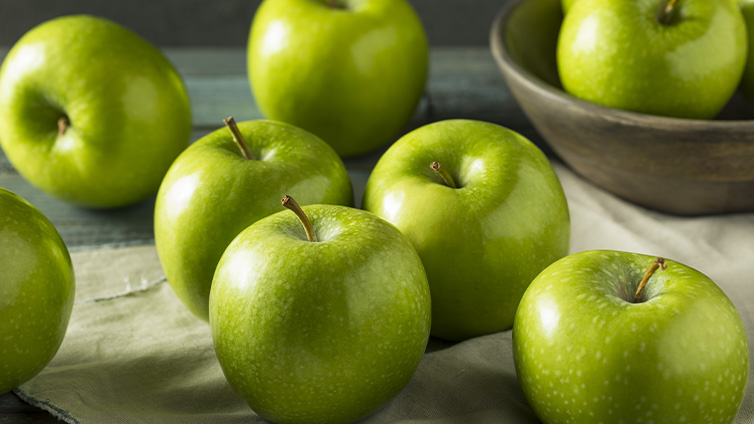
column 352, row 76
column 37, row 288
column 584, row 355
column 616, row 53
column 320, row 332
column 483, row 243
column 211, row 193
column 129, row 111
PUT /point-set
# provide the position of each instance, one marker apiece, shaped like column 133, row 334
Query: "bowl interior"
column 530, row 35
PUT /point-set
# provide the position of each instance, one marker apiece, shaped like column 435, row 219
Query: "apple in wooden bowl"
column 675, row 165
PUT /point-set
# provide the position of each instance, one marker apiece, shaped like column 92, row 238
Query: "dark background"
column 227, row 22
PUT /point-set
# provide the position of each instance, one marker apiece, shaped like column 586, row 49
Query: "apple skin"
column 351, row 76
column 567, row 5
column 128, row 110
column 37, row 288
column 481, row 244
column 616, row 53
column 585, row 355
column 211, row 193
column 747, row 81
column 319, row 332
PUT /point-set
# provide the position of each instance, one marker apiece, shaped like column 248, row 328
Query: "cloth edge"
column 113, row 245
column 57, row 412
column 143, row 287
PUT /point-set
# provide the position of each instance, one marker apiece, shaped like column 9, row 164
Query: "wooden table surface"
column 463, row 83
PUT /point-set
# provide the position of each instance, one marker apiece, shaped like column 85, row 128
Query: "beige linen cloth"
column 134, row 354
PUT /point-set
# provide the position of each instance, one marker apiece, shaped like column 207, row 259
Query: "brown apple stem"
column 238, row 138
column 658, row 263
column 291, row 204
column 667, row 12
column 63, row 124
column 444, row 174
column 334, row 4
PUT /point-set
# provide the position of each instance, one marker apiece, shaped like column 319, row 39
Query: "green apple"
column 90, row 112
column 747, row 81
column 485, row 223
column 214, row 190
column 322, row 324
column 37, row 288
column 567, row 5
column 350, row 71
column 591, row 346
column 678, row 58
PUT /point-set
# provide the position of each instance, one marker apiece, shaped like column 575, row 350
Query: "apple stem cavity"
column 658, row 263
column 238, row 138
column 667, row 13
column 63, row 124
column 291, row 204
column 444, row 174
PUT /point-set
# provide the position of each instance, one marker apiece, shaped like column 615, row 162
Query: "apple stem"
column 63, row 124
column 238, row 138
column 291, row 204
column 444, row 174
column 658, row 263
column 334, row 4
column 667, row 12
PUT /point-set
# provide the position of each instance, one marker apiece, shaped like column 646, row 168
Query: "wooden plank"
column 215, row 98
column 227, row 22
column 86, row 228
column 14, row 410
column 463, row 83
column 208, row 62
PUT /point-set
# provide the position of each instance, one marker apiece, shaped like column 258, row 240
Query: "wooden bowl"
column 680, row 166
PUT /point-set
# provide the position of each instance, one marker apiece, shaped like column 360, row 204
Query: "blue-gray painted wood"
column 227, row 22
